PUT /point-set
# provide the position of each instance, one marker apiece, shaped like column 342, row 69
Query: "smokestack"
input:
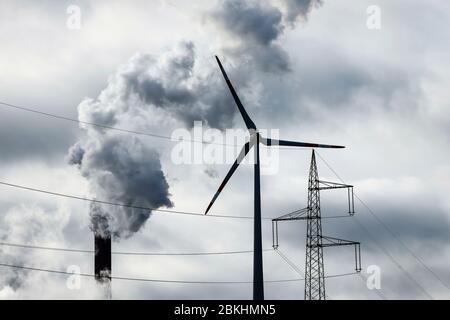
column 102, row 262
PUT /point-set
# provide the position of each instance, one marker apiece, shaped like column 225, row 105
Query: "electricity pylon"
column 314, row 268
column 315, row 241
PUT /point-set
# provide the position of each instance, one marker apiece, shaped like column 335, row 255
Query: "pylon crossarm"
column 331, row 242
column 295, row 215
column 332, row 185
column 327, row 185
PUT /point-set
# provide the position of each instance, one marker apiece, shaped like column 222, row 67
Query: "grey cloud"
column 274, row 59
column 76, row 154
column 250, row 21
column 256, row 28
column 271, row 59
column 330, row 81
column 425, row 237
column 330, row 84
column 299, row 9
column 211, row 172
column 24, row 137
column 334, row 77
column 27, row 224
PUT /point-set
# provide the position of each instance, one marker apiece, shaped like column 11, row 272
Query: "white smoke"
column 151, row 92
column 145, row 94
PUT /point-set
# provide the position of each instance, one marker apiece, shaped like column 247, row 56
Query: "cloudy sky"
column 316, row 70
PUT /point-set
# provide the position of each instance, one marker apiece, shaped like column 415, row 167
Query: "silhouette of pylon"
column 315, row 241
column 314, row 269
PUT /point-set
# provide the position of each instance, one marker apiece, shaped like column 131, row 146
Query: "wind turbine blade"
column 248, row 122
column 274, row 142
column 245, row 149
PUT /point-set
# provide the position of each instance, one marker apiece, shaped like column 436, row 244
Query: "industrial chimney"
column 102, row 262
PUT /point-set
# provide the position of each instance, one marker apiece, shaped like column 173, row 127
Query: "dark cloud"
column 148, row 86
column 211, row 172
column 299, row 9
column 327, row 81
column 24, row 137
column 252, row 22
column 336, row 88
column 254, row 30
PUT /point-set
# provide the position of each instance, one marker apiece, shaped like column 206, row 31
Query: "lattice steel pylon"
column 315, row 241
column 314, row 268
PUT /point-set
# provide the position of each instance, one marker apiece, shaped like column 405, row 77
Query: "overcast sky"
column 312, row 69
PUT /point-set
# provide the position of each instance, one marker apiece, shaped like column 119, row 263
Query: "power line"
column 76, row 121
column 406, row 273
column 294, row 267
column 25, row 246
column 159, row 280
column 246, row 217
column 301, row 273
column 396, row 263
column 142, row 133
column 194, row 213
column 117, row 204
column 120, row 204
column 436, row 276
column 52, row 115
column 290, row 263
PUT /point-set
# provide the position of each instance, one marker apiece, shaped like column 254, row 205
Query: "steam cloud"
column 144, row 93
column 121, row 169
column 156, row 93
column 299, row 9
column 254, row 30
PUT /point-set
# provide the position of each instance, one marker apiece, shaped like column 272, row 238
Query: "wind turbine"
column 254, row 141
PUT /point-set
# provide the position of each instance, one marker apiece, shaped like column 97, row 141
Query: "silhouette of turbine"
column 255, row 140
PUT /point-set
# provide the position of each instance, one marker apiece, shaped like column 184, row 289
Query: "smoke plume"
column 299, row 9
column 254, row 29
column 156, row 94
column 146, row 94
